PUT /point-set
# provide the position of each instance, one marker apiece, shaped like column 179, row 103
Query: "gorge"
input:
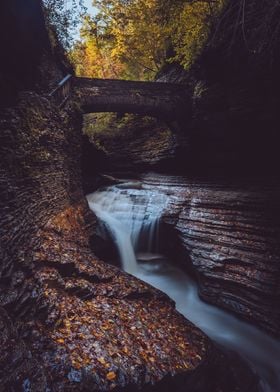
column 190, row 196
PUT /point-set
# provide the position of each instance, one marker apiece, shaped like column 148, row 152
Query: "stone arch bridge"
column 167, row 101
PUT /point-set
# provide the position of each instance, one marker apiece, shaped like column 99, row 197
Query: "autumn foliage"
column 133, row 38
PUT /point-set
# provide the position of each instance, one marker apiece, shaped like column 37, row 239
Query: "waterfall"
column 132, row 217
column 132, row 212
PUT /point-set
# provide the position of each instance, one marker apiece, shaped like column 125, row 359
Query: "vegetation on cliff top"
column 134, row 38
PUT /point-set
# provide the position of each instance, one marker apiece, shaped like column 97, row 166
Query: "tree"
column 63, row 16
column 134, row 38
column 94, row 55
column 191, row 30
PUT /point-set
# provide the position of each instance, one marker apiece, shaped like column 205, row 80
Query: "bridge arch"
column 167, row 101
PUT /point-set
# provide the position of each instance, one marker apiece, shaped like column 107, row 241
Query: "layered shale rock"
column 229, row 232
column 68, row 320
column 130, row 141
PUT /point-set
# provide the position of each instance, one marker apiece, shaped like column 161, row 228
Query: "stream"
column 132, row 215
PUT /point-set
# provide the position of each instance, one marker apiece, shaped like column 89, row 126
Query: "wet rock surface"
column 229, row 232
column 103, row 328
column 92, row 327
column 68, row 320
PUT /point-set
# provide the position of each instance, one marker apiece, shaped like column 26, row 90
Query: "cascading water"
column 132, row 212
column 132, row 216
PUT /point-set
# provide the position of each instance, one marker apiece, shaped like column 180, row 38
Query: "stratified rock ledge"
column 229, row 234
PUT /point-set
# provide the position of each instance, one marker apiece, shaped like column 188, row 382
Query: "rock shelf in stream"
column 229, row 232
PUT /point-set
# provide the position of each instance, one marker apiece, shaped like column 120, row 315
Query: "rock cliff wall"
column 228, row 223
column 131, row 141
column 230, row 232
column 68, row 321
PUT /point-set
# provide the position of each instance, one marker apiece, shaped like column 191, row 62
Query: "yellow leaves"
column 67, row 323
column 101, row 360
column 60, row 341
column 130, row 39
column 125, row 350
column 111, row 376
column 190, row 32
column 76, row 365
column 95, row 56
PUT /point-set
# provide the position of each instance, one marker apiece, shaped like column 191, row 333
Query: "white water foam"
column 131, row 216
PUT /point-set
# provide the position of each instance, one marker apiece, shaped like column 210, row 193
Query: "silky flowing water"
column 132, row 214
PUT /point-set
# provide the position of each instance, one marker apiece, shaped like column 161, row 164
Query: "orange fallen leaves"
column 60, row 341
column 111, row 376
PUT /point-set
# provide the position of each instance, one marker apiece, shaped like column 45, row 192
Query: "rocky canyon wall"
column 68, row 321
column 230, row 233
column 228, row 221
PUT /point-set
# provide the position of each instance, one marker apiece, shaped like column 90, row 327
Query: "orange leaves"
column 125, row 350
column 111, row 376
column 106, row 327
column 104, row 334
column 60, row 341
column 77, row 364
